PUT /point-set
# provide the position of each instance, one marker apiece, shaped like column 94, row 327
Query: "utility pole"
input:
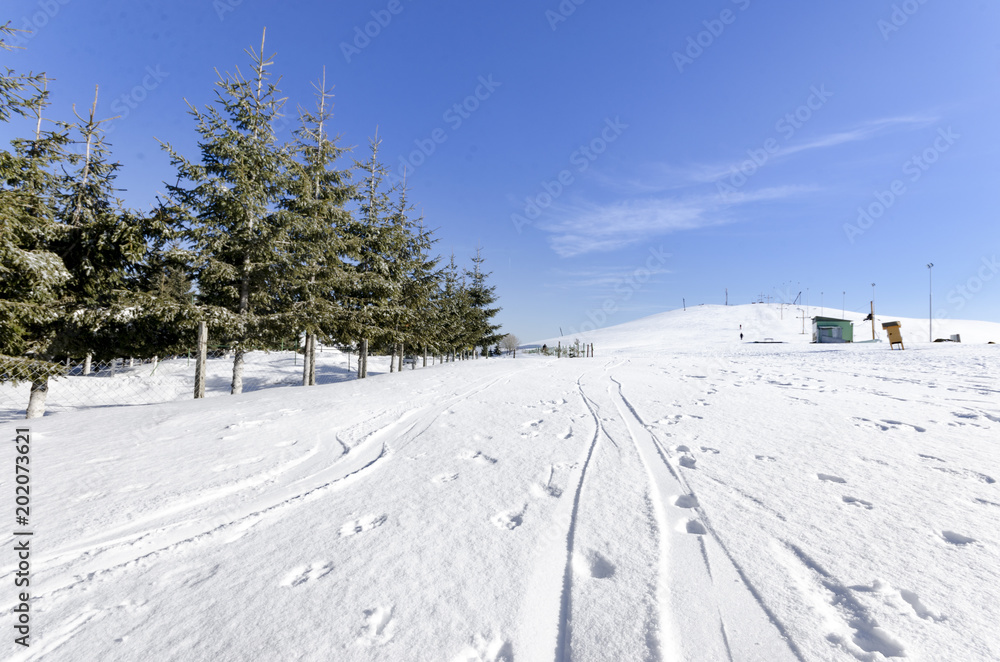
column 684, row 303
column 843, row 305
column 727, row 296
column 930, row 301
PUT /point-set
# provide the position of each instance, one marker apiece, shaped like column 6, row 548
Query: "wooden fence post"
column 199, row 366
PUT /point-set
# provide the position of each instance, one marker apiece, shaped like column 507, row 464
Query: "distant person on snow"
column 741, row 335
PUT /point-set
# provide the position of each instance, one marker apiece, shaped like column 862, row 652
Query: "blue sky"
column 613, row 159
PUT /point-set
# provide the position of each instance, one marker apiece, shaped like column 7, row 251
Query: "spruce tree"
column 371, row 300
column 32, row 276
column 483, row 332
column 233, row 217
column 316, row 198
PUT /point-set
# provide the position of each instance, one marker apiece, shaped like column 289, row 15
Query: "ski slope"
column 681, row 496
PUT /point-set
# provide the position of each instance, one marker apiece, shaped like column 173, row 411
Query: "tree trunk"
column 425, row 356
column 402, row 347
column 36, row 401
column 199, row 366
column 237, row 385
column 363, row 360
column 392, row 359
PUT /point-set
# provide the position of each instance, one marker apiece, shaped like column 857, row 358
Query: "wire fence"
column 138, row 382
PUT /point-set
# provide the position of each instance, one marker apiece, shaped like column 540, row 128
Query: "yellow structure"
column 895, row 337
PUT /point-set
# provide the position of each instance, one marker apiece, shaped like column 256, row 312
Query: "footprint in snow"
column 440, row 479
column 707, row 449
column 695, row 527
column 378, row 627
column 852, row 501
column 362, row 524
column 920, row 609
column 482, row 649
column 766, row 458
column 957, row 538
column 592, row 563
column 688, row 462
column 307, row 573
column 686, row 501
column 831, row 478
column 478, row 457
column 509, row 519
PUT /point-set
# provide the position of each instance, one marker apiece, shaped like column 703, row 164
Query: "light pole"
column 930, row 301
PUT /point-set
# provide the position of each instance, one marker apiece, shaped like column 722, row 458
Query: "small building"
column 832, row 330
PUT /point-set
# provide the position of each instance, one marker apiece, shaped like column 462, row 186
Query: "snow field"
column 713, row 501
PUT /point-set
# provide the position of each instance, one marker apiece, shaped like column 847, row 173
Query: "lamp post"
column 930, row 301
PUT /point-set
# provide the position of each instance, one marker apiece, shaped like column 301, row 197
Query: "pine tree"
column 483, row 333
column 454, row 311
column 32, row 276
column 316, row 200
column 371, row 299
column 243, row 261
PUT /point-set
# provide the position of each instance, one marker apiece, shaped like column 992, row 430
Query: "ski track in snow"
column 667, row 532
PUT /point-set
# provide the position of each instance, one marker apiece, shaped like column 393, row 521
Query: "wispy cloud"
column 665, row 177
column 602, row 228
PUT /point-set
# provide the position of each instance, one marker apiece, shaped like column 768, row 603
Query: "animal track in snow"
column 896, row 424
column 766, row 458
column 478, row 457
column 510, row 519
column 957, row 538
column 831, row 478
column 592, row 563
column 852, row 501
column 919, row 608
column 967, row 473
column 686, row 501
column 695, row 527
column 708, row 449
column 444, row 478
column 378, row 627
column 483, row 650
column 307, row 573
column 363, row 524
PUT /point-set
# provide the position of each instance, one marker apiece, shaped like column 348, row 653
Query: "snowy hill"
column 682, row 496
column 711, row 326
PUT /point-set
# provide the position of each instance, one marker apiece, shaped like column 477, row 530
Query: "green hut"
column 832, row 330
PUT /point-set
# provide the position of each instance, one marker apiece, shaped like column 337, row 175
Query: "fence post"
column 199, row 366
column 312, row 360
column 305, row 360
column 86, row 363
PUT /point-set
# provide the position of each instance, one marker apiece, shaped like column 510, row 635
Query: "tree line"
column 260, row 238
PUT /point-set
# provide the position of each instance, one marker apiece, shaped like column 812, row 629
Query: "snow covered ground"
column 682, row 496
